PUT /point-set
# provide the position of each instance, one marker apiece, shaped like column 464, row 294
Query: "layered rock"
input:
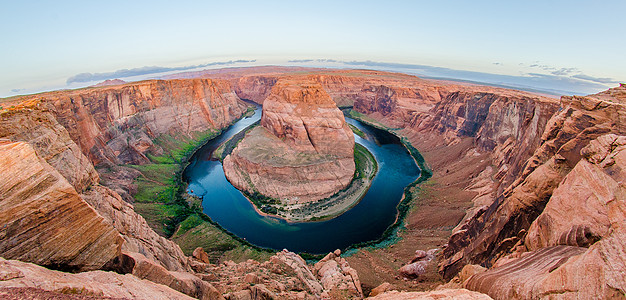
column 495, row 230
column 461, row 294
column 303, row 150
column 137, row 234
column 43, row 218
column 118, row 124
column 20, row 275
column 301, row 113
column 285, row 276
column 76, row 129
column 576, row 245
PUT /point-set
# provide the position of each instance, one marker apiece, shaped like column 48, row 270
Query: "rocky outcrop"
column 303, row 114
column 44, row 220
column 17, row 274
column 336, row 276
column 495, row 230
column 183, row 282
column 461, row 294
column 286, row 276
column 576, row 245
column 303, row 150
column 118, row 124
column 33, row 123
column 137, row 234
column 417, row 266
column 255, row 88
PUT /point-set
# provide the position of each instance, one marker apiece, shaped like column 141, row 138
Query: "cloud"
column 87, row 77
column 604, row 80
column 556, row 84
column 312, row 60
column 565, row 71
column 571, row 73
column 17, row 90
column 497, row 63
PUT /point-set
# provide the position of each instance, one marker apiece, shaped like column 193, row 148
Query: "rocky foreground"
column 526, row 200
column 302, row 152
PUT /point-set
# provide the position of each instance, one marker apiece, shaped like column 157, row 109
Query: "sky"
column 560, row 46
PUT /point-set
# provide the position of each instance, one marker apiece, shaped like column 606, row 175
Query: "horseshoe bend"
column 520, row 194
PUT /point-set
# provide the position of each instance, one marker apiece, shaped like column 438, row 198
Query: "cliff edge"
column 303, row 150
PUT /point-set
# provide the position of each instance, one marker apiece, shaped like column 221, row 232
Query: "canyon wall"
column 542, row 180
column 118, row 125
column 303, row 151
column 66, row 133
column 552, row 182
column 43, row 218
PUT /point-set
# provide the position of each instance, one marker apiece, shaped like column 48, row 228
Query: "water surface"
column 364, row 222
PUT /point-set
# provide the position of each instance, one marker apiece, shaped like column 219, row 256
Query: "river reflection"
column 364, row 222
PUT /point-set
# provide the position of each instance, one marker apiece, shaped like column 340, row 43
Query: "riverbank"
column 390, row 235
column 326, row 209
column 436, row 206
column 161, row 198
column 376, row 211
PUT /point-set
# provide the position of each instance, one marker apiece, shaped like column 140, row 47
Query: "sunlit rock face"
column 303, row 150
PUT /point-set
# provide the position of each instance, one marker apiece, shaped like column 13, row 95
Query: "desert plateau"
column 288, row 150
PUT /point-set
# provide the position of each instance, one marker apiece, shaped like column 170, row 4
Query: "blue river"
column 366, row 221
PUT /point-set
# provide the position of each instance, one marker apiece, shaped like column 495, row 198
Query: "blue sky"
column 579, row 44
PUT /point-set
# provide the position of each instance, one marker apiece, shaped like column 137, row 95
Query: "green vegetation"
column 390, row 236
column 366, row 168
column 357, row 131
column 362, row 159
column 227, row 147
column 162, row 200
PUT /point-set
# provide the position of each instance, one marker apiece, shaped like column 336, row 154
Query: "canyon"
column 302, row 152
column 523, row 187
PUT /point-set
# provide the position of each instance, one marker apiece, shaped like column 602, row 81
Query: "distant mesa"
column 302, row 152
column 109, row 82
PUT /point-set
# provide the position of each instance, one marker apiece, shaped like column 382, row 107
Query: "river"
column 364, row 222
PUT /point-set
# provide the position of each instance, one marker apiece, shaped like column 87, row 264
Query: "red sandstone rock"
column 93, row 283
column 200, row 255
column 303, row 151
column 43, row 218
column 183, row 282
column 456, row 294
column 581, row 120
column 383, row 287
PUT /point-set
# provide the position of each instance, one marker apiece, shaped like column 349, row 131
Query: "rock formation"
column 29, row 279
column 61, row 136
column 543, row 181
column 460, row 294
column 303, row 150
column 286, row 276
column 505, row 223
column 43, row 218
column 576, row 246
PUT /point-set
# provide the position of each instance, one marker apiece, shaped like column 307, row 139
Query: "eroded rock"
column 43, row 218
column 303, row 150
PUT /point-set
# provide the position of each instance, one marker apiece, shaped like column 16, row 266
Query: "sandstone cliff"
column 43, row 218
column 505, row 222
column 96, row 120
column 576, row 246
column 303, row 150
column 26, row 280
column 71, row 131
column 118, row 125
